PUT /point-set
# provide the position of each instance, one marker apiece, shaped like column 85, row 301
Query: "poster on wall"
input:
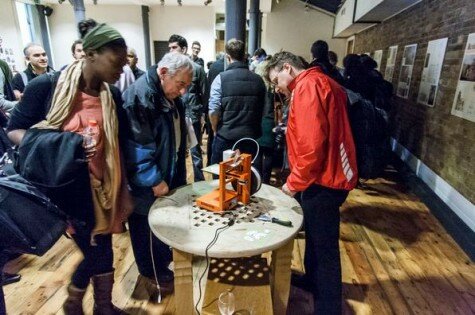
column 431, row 72
column 390, row 63
column 378, row 56
column 6, row 54
column 464, row 101
column 405, row 73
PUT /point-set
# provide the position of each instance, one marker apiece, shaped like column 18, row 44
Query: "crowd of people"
column 296, row 111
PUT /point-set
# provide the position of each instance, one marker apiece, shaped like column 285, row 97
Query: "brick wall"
column 445, row 143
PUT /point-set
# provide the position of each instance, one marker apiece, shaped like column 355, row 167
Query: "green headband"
column 100, row 36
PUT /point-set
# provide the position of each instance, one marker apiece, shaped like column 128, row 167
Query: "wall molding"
column 460, row 205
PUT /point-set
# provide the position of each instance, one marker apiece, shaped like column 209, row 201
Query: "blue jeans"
column 321, row 211
column 196, row 154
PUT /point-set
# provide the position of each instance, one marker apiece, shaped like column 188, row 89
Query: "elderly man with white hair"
column 155, row 145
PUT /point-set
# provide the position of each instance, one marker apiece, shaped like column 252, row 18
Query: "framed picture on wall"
column 431, row 72
column 405, row 74
column 378, row 56
column 464, row 101
column 390, row 63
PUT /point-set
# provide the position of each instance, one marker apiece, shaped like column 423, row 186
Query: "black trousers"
column 220, row 145
column 3, row 261
column 98, row 259
column 321, row 210
column 162, row 254
column 264, row 163
column 209, row 144
column 196, row 154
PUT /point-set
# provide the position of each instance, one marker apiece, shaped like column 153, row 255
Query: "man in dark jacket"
column 236, row 102
column 195, row 50
column 37, row 64
column 155, row 155
column 194, row 101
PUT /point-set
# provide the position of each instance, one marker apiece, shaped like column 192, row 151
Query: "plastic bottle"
column 90, row 133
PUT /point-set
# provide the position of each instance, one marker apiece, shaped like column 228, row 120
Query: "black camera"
column 279, row 137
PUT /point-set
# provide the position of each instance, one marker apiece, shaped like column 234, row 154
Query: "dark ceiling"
column 327, row 5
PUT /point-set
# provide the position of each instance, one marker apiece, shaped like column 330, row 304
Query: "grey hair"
column 25, row 50
column 175, row 61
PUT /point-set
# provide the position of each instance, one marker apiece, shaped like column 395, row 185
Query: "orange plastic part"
column 237, row 172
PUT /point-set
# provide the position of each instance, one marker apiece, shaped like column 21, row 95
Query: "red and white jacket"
column 319, row 140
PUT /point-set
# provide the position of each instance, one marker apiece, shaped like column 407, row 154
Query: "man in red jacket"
column 323, row 170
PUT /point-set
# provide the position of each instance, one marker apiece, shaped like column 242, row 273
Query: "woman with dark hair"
column 77, row 98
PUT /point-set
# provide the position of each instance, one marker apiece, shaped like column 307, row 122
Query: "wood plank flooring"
column 396, row 259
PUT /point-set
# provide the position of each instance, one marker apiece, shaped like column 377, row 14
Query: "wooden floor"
column 396, row 259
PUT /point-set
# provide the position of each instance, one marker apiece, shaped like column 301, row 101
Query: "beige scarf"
column 105, row 194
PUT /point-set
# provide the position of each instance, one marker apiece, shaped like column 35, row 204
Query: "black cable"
column 213, row 241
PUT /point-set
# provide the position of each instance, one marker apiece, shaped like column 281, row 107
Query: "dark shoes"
column 7, row 278
column 73, row 303
column 154, row 293
column 302, row 282
column 103, row 284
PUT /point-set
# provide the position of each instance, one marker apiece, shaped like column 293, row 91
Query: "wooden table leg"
column 280, row 281
column 183, row 282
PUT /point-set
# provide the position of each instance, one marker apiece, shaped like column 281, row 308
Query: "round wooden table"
column 177, row 221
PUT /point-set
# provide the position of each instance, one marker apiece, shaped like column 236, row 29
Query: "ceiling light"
column 208, row 2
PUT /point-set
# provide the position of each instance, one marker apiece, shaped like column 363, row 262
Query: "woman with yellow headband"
column 78, row 97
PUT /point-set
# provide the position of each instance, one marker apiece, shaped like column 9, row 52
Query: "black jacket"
column 195, row 98
column 18, row 83
column 55, row 163
column 329, row 70
column 242, row 102
column 150, row 147
column 216, row 68
column 53, row 159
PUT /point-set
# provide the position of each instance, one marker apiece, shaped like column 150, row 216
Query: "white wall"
column 364, row 7
column 344, row 17
column 289, row 27
column 191, row 22
column 127, row 19
column 10, row 32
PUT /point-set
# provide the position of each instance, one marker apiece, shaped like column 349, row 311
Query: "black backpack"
column 30, row 222
column 383, row 93
column 370, row 133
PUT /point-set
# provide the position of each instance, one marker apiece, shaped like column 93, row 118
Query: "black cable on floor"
column 213, row 241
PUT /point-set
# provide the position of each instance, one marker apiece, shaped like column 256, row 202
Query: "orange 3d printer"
column 238, row 172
